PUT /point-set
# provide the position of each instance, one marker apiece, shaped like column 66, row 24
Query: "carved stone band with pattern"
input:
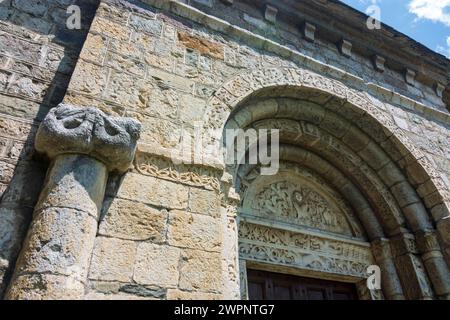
column 84, row 145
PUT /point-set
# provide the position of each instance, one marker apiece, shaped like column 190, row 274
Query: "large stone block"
column 204, row 202
column 154, row 191
column 191, row 109
column 132, row 220
column 194, row 231
column 204, row 46
column 94, row 48
column 111, row 29
column 89, row 78
column 201, row 271
column 157, row 265
column 113, row 260
column 13, row 225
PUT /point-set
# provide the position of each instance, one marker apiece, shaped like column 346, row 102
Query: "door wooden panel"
column 264, row 285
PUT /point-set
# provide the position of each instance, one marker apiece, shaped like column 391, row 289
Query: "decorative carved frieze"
column 305, row 251
column 427, row 242
column 164, row 169
column 404, row 244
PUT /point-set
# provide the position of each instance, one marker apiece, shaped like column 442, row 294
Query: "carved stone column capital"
column 68, row 129
column 381, row 249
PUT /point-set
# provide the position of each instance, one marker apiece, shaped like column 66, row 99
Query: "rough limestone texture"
column 119, row 218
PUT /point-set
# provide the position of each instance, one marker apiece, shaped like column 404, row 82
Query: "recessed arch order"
column 347, row 137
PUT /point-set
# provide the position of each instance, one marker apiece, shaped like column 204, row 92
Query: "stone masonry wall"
column 162, row 234
column 37, row 57
column 163, row 230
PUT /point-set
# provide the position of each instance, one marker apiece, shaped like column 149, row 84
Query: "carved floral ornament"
column 299, row 197
column 304, row 251
column 158, row 167
column 70, row 129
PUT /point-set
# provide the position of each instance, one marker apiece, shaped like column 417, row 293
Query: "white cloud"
column 444, row 50
column 434, row 10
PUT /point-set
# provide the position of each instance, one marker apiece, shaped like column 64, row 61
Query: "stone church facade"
column 95, row 205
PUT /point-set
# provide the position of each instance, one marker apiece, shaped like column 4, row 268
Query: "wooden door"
column 276, row 286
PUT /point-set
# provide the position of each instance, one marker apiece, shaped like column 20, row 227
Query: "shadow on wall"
column 38, row 53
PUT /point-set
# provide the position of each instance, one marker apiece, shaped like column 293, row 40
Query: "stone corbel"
column 84, row 145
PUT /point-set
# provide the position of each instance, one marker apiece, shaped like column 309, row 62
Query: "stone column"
column 433, row 259
column 416, row 284
column 83, row 145
column 390, row 282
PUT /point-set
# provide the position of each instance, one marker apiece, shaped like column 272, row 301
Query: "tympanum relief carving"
column 296, row 219
column 299, row 197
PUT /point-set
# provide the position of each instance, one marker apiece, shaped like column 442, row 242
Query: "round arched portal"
column 345, row 196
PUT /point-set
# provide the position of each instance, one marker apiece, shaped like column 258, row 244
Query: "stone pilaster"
column 84, row 145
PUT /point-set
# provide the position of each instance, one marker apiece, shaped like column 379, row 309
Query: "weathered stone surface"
column 175, row 294
column 154, row 191
column 194, row 231
column 132, row 220
column 89, row 79
column 203, row 46
column 157, row 265
column 45, row 287
column 113, row 260
column 204, row 202
column 13, row 226
column 70, row 129
column 200, row 270
column 59, row 242
column 172, row 65
column 74, row 181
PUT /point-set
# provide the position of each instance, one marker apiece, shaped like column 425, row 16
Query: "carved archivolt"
column 301, row 82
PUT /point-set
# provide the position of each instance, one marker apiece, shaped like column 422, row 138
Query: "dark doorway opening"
column 264, row 285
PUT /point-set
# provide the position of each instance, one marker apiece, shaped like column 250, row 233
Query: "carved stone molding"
column 164, row 169
column 301, row 80
column 68, row 129
column 304, row 251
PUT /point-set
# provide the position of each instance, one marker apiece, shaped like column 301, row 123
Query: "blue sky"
column 426, row 21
